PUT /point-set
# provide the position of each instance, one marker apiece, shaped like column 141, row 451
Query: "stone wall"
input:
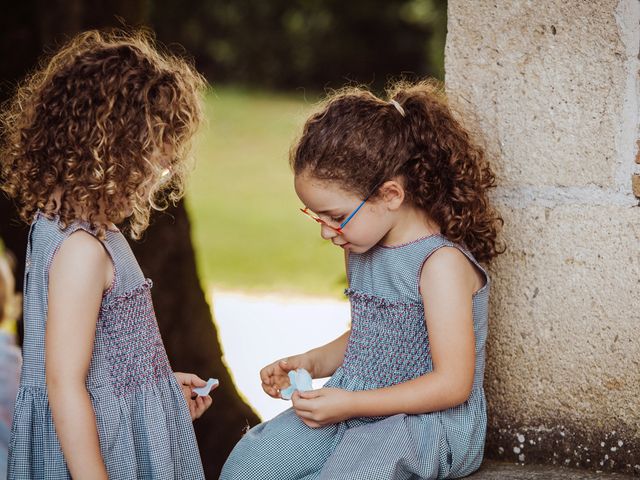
column 551, row 89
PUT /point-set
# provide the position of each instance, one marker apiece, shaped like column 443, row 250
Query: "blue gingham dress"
column 143, row 421
column 389, row 344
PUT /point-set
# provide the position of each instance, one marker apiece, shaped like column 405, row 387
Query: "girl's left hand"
column 325, row 406
column 197, row 404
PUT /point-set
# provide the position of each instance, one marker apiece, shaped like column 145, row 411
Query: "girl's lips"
column 345, row 245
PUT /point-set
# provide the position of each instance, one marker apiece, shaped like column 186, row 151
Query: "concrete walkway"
column 256, row 330
column 491, row 470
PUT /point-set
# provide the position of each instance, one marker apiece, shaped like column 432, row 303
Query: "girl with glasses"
column 399, row 185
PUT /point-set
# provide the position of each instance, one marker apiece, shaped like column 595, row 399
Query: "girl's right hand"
column 275, row 375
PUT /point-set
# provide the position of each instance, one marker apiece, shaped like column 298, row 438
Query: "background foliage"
column 307, row 43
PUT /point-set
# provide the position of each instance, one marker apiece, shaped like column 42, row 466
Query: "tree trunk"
column 165, row 253
column 166, row 256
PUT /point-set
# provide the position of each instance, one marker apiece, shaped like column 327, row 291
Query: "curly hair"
column 101, row 131
column 360, row 141
column 7, row 284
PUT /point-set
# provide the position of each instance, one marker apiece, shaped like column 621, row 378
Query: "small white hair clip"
column 398, row 107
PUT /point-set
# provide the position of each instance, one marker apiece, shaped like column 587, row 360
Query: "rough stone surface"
column 563, row 369
column 506, row 471
column 545, row 82
column 553, row 95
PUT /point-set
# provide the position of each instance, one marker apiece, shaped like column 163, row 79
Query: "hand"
column 197, row 404
column 324, row 406
column 275, row 376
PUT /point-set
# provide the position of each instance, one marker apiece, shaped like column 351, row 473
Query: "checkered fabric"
column 143, row 420
column 389, row 344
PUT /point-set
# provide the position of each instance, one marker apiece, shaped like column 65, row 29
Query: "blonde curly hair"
column 8, row 298
column 101, row 131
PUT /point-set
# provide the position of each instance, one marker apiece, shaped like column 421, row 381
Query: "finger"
column 273, row 392
column 196, row 381
column 311, row 423
column 303, row 404
column 302, row 411
column 310, row 394
column 304, row 414
column 186, row 392
column 285, row 365
column 203, row 404
column 265, row 375
column 191, row 379
column 199, row 407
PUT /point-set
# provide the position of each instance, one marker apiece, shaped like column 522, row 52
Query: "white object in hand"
column 204, row 391
column 300, row 380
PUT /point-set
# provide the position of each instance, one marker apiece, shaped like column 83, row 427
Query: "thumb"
column 194, row 380
column 309, row 394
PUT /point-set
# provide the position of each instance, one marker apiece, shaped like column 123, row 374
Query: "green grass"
column 247, row 229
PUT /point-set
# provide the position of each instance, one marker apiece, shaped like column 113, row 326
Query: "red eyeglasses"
column 337, row 229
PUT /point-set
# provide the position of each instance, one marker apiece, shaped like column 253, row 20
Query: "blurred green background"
column 289, row 44
column 269, row 63
column 247, row 229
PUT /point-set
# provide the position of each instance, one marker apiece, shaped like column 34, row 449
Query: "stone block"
column 563, row 351
column 543, row 84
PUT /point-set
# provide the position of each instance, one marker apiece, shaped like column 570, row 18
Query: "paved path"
column 257, row 330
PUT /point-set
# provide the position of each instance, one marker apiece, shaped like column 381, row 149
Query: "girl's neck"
column 411, row 224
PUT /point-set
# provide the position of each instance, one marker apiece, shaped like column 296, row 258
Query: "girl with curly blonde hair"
column 93, row 140
column 397, row 184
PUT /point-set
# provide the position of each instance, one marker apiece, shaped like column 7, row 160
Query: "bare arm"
column 320, row 362
column 327, row 358
column 78, row 277
column 447, row 283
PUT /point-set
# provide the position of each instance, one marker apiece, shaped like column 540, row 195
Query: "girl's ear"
column 392, row 194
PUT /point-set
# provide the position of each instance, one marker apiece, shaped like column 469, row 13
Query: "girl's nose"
column 327, row 233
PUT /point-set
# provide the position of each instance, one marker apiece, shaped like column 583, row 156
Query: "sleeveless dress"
column 142, row 418
column 388, row 344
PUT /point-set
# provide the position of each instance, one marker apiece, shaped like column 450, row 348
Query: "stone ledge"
column 492, row 470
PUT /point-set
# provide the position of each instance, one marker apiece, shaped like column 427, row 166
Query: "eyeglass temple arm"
column 353, row 213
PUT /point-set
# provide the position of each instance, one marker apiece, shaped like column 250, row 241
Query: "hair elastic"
column 398, row 107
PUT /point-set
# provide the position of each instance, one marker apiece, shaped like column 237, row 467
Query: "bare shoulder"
column 83, row 245
column 84, row 256
column 449, row 266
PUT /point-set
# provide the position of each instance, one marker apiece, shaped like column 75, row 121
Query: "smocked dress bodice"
column 143, row 421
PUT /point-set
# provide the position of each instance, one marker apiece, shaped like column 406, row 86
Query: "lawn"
column 247, row 229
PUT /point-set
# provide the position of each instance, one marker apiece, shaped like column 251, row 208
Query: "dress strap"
column 71, row 229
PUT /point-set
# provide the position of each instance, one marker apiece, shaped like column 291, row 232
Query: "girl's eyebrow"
column 331, row 211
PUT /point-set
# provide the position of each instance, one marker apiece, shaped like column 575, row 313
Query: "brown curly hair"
column 100, row 125
column 360, row 141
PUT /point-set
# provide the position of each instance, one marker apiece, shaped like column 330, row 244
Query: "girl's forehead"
column 320, row 195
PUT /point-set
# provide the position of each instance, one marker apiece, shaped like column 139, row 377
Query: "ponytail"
column 446, row 173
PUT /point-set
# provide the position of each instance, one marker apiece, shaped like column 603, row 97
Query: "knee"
column 250, row 460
